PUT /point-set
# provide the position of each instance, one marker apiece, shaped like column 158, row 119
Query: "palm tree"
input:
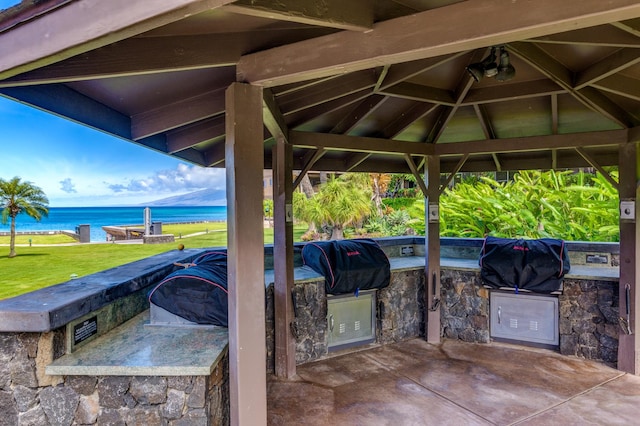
column 17, row 197
column 338, row 203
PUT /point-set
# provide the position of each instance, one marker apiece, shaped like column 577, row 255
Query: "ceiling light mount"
column 501, row 70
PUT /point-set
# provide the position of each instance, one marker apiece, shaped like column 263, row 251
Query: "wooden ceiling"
column 360, row 85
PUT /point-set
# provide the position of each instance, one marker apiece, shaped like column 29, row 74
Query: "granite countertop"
column 56, row 306
column 137, row 349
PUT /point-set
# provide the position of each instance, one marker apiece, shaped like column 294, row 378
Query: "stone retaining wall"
column 29, row 397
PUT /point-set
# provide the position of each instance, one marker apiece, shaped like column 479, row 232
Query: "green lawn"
column 41, row 266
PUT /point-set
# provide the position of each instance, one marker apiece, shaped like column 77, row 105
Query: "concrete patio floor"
column 454, row 383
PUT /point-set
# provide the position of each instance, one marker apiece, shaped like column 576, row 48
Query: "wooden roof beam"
column 194, row 134
column 355, row 15
column 621, row 86
column 327, row 91
column 66, row 102
column 417, row 92
column 534, row 143
column 427, row 34
column 416, row 173
column 215, row 155
column 308, row 161
column 453, row 173
column 557, row 72
column 303, row 116
column 84, row 25
column 512, row 91
column 487, row 129
column 631, row 26
column 358, row 113
column 603, row 35
column 355, row 160
column 589, row 159
column 180, row 113
column 461, row 91
column 357, row 143
column 136, row 56
column 407, row 118
column 191, row 155
column 608, row 66
column 272, row 117
column 401, row 72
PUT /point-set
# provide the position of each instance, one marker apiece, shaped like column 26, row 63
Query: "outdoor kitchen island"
column 82, row 352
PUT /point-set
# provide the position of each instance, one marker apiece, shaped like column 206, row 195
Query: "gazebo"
column 405, row 86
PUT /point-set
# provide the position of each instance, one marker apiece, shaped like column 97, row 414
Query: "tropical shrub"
column 579, row 207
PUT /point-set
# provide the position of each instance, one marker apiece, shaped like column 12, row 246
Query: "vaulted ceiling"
column 361, row 85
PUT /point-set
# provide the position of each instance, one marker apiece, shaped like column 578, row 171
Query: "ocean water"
column 67, row 218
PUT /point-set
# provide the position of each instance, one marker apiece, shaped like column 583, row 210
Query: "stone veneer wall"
column 589, row 320
column 400, row 315
column 464, row 310
column 29, row 397
column 400, row 307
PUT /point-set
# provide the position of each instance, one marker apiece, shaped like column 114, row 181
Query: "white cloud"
column 182, row 179
column 68, row 186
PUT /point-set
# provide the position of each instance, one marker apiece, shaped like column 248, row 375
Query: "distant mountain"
column 205, row 197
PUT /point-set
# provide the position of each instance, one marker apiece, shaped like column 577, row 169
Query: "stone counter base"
column 588, row 320
column 28, row 397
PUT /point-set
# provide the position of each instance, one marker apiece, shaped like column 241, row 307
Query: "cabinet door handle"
column 331, row 323
column 499, row 314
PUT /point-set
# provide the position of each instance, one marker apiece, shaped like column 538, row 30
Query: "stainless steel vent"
column 525, row 318
column 351, row 319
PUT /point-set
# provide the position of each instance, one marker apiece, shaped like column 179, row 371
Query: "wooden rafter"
column 86, row 25
column 355, row 160
column 533, row 143
column 272, row 116
column 355, row 15
column 512, row 91
column 608, row 66
column 357, row 143
column 621, row 86
column 187, row 137
column 603, row 35
column 310, row 159
column 589, row 159
column 215, row 155
column 427, row 34
column 74, row 106
column 358, row 113
column 398, row 73
column 303, row 116
column 408, row 117
column 179, row 113
column 416, row 174
column 562, row 76
column 136, row 56
column 417, row 92
column 332, row 89
column 453, row 173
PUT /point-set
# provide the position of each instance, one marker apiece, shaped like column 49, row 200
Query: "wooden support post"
column 285, row 362
column 432, row 252
column 244, row 162
column 629, row 344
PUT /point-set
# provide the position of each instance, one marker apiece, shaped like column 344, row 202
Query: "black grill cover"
column 197, row 293
column 348, row 265
column 535, row 265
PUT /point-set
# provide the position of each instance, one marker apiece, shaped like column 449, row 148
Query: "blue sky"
column 5, row 4
column 78, row 166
